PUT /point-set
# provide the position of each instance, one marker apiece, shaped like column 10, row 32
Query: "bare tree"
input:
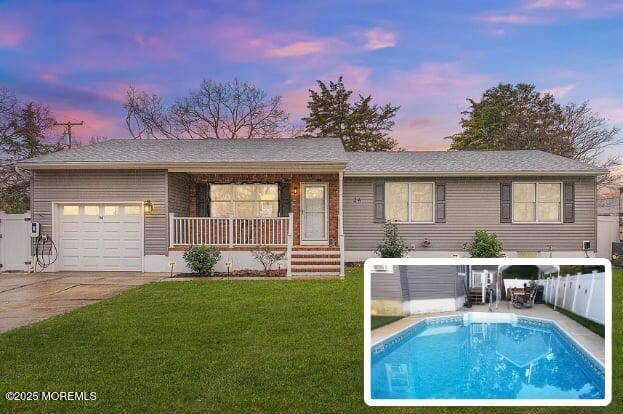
column 230, row 109
column 589, row 135
column 26, row 130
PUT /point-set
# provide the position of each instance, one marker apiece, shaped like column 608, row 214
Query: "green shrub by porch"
column 202, row 259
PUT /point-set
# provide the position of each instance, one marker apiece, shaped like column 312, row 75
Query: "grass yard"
column 222, row 346
column 598, row 328
column 378, row 321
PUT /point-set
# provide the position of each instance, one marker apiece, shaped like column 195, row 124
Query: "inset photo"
column 488, row 332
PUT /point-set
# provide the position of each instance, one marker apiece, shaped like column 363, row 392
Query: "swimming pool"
column 484, row 356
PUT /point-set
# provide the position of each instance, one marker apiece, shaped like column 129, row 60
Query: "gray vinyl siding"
column 471, row 204
column 431, row 282
column 105, row 186
column 421, row 283
column 179, row 194
column 386, row 286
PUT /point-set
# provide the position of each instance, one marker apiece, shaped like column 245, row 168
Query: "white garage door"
column 100, row 237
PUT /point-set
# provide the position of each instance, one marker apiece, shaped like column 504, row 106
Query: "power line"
column 68, row 126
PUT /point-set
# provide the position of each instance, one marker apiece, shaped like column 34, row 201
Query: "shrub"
column 485, row 245
column 392, row 244
column 267, row 257
column 12, row 204
column 202, row 259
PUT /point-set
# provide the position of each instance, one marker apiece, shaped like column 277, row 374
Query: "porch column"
column 171, row 229
column 341, row 224
column 290, row 242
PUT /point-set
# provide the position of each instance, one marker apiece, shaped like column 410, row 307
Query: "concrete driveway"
column 27, row 298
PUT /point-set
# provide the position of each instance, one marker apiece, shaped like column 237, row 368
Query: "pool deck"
column 594, row 343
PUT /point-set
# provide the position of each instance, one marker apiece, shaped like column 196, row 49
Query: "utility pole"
column 68, row 126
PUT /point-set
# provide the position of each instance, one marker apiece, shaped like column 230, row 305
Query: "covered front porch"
column 296, row 213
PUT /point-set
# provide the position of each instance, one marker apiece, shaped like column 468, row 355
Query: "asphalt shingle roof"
column 463, row 161
column 202, row 151
column 309, row 151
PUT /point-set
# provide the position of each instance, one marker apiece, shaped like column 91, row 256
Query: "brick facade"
column 294, row 181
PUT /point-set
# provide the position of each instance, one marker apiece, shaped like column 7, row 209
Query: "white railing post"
column 290, row 242
column 171, row 229
column 575, row 293
column 483, row 284
column 230, row 231
column 590, row 294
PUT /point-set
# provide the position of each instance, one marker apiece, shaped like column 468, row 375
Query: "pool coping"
column 583, row 351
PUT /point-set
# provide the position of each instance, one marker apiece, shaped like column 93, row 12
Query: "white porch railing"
column 187, row 231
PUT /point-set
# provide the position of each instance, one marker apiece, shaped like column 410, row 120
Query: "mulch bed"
column 236, row 274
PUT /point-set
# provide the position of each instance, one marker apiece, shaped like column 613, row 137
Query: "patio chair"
column 516, row 300
column 531, row 298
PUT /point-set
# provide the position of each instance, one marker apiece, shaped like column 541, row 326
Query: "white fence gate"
column 15, row 241
column 607, row 232
column 582, row 294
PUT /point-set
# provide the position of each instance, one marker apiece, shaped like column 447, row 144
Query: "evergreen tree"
column 518, row 117
column 361, row 125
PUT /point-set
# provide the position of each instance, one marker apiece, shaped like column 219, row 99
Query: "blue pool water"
column 451, row 358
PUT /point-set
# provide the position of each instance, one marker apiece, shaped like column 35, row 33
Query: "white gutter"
column 293, row 166
column 470, row 173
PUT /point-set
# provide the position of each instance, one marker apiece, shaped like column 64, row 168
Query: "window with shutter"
column 569, row 203
column 440, row 203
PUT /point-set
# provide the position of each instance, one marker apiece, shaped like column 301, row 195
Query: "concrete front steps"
column 315, row 262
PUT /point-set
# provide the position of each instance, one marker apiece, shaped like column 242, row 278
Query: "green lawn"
column 598, row 328
column 217, row 346
column 378, row 321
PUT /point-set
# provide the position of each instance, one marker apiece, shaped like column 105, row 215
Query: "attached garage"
column 100, row 237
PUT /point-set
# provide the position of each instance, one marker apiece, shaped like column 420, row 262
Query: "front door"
column 314, row 214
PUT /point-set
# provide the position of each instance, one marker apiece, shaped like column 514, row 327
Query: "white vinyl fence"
column 607, row 232
column 518, row 283
column 15, row 241
column 582, row 294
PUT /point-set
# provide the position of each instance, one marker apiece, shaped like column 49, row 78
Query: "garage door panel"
column 72, row 227
column 112, row 241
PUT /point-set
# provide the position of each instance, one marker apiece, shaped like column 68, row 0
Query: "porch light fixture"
column 295, row 190
column 149, row 206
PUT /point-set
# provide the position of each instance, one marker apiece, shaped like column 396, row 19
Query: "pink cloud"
column 556, row 4
column 295, row 102
column 437, row 81
column 561, row 91
column 95, row 125
column 380, row 39
column 508, row 18
column 355, row 77
column 10, row 37
column 611, row 109
column 48, row 77
column 420, row 122
column 302, row 48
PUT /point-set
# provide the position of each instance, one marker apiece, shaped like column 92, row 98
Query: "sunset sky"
column 428, row 57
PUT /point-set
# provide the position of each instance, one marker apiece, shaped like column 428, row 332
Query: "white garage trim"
column 56, row 224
